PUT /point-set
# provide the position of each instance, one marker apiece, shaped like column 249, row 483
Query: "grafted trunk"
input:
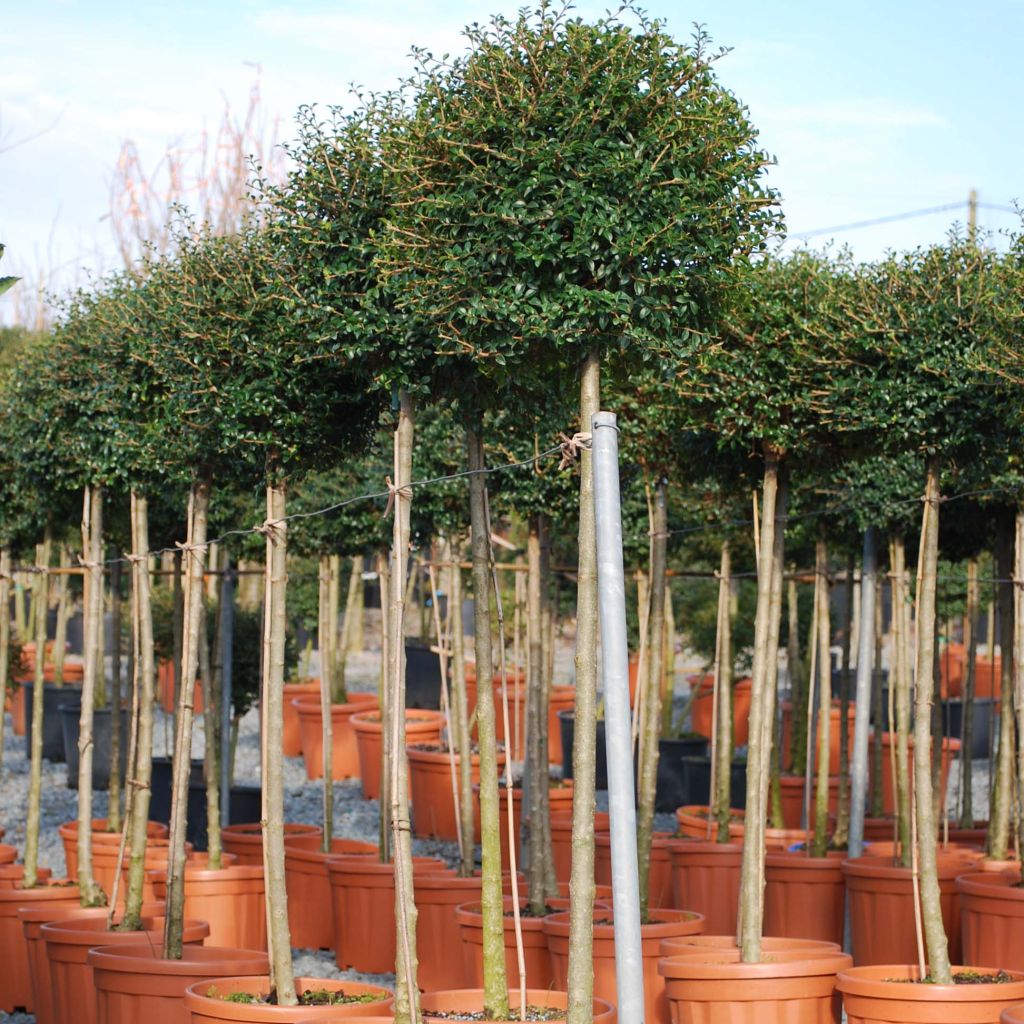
column 797, row 687
column 722, row 753
column 927, row 570
column 1002, row 786
column 384, row 697
column 141, row 768
column 902, row 686
column 211, row 729
column 60, row 635
column 326, row 629
column 650, row 729
column 819, row 844
column 116, row 739
column 30, row 876
column 967, row 737
column 877, row 792
column 850, row 626
column 354, row 610
column 460, row 713
column 194, row 563
column 92, row 544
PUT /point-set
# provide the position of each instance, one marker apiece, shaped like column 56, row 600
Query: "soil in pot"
column 992, row 919
column 309, row 891
column 706, row 879
column 134, row 983
column 244, row 1001
column 804, row 897
column 101, row 738
column 291, row 736
column 535, row 946
column 882, row 993
column 421, row 726
column 344, row 752
column 245, row 841
column 466, row 1004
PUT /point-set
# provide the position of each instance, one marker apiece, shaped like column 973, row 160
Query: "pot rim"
column 879, row 981
column 145, row 958
column 723, row 965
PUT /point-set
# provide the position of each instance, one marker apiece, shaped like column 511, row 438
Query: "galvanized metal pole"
column 861, row 722
column 227, row 635
column 615, row 670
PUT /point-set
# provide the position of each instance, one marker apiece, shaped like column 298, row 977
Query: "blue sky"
column 871, row 109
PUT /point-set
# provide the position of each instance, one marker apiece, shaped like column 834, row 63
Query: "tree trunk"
column 669, row 666
column 584, row 755
column 819, row 844
column 279, row 944
column 92, row 545
column 30, row 876
column 194, row 561
column 762, row 700
column 1002, row 787
column 384, row 699
column 877, row 792
column 931, row 907
column 650, row 730
column 902, row 684
column 1018, row 662
column 141, row 770
column 967, row 737
column 353, row 621
column 722, row 753
column 406, row 989
column 354, row 614
column 178, row 628
column 797, row 696
column 116, row 739
column 5, row 632
column 492, row 906
column 460, row 713
column 327, row 629
column 60, row 636
column 211, row 731
column 843, row 815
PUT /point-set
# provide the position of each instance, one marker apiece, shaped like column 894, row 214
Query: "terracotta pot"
column 881, row 907
column 952, row 667
column 421, row 726
column 12, row 874
column 436, row 1005
column 8, row 854
column 32, row 921
column 659, row 884
column 789, row 986
column 68, row 833
column 67, row 946
column 701, row 708
column 165, row 688
column 535, row 946
column 309, row 891
column 561, row 841
column 430, row 790
column 950, row 751
column 693, row 822
column 792, row 790
column 16, row 703
column 769, row 944
column 246, row 841
column 292, row 738
column 363, row 891
column 344, row 754
column 559, row 801
column 602, row 894
column 834, row 735
column 135, row 983
column 104, row 866
column 438, row 933
column 664, row 924
column 992, row 919
column 563, row 698
column 207, row 1004
column 706, row 879
column 879, row 829
column 15, row 981
column 231, row 901
column 988, row 674
column 877, row 994
column 804, row 896
column 976, row 836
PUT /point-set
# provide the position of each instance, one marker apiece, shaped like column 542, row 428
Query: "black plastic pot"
column 160, row 787
column 422, row 676
column 53, row 697
column 671, row 784
column 981, row 728
column 696, row 784
column 102, row 721
column 567, row 724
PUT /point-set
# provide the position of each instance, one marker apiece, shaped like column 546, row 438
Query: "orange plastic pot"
column 443, row 1005
column 437, row 929
column 68, row 833
column 104, row 866
column 559, row 802
column 344, row 753
column 692, row 820
column 561, row 841
column 134, row 983
column 792, row 791
column 701, row 708
column 769, row 944
column 535, row 946
column 988, row 679
column 804, row 897
column 11, row 875
column 881, row 905
column 363, row 906
column 952, row 669
column 950, row 750
column 8, row 854
column 309, row 891
column 834, row 735
column 659, row 883
column 246, row 841
column 15, row 980
column 67, row 946
column 231, row 901
column 430, row 790
column 706, row 879
column 563, row 698
column 421, row 726
column 788, row 986
column 165, row 688
column 207, row 1002
column 992, row 919
column 664, row 924
column 884, row 993
column 292, row 738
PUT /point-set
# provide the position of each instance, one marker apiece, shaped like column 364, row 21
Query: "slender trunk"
column 967, row 737
column 797, row 697
column 92, row 544
column 211, row 730
column 723, row 739
column 877, row 791
column 279, row 946
column 492, row 907
column 1018, row 665
column 819, row 844
column 546, row 618
column 30, row 876
column 194, row 561
column 650, row 731
column 116, row 739
column 761, row 710
column 60, row 636
column 384, row 698
column 406, row 989
column 901, row 747
column 326, row 629
column 5, row 633
column 849, row 628
column 460, row 712
column 354, row 611
column 139, row 786
column 21, row 627
column 931, row 906
column 178, row 628
column 1002, row 787
column 669, row 666
column 353, row 619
